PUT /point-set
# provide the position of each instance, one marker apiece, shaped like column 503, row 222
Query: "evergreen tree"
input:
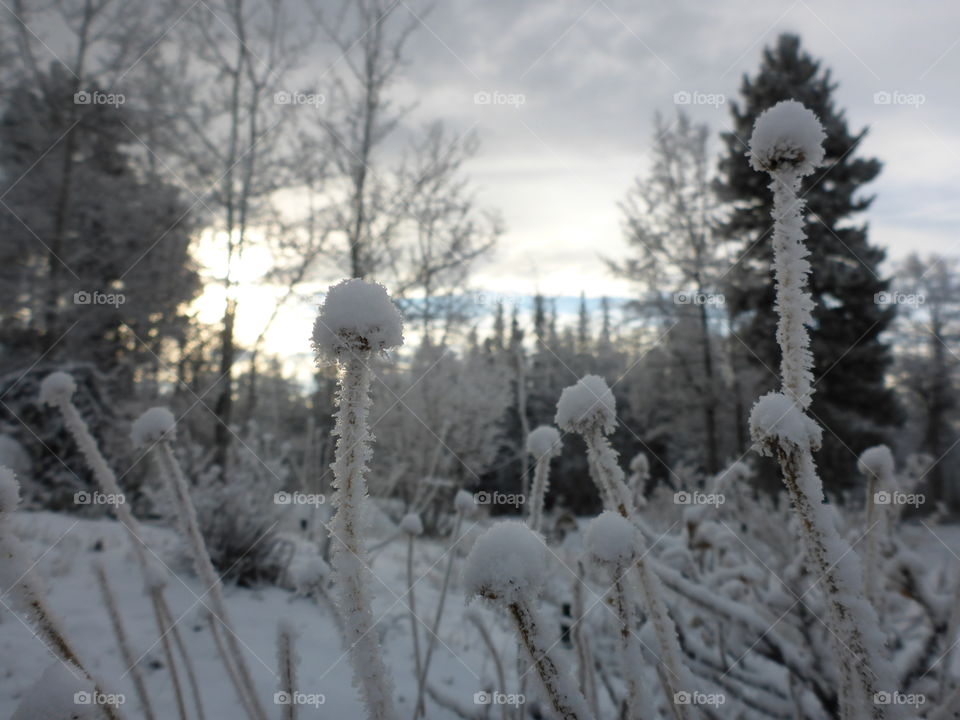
column 851, row 400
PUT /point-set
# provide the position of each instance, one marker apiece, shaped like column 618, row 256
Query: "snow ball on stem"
column 57, row 387
column 411, row 524
column 154, row 425
column 876, row 461
column 464, row 503
column 587, row 405
column 611, row 538
column 787, row 136
column 357, row 316
column 9, row 491
column 507, row 564
column 544, row 442
column 776, row 417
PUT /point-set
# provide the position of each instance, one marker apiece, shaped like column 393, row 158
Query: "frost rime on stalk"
column 356, row 321
column 589, row 408
column 787, row 143
column 507, row 566
column 543, row 444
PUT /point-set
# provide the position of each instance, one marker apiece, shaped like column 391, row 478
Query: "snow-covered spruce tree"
column 508, row 567
column 877, row 464
column 357, row 321
column 155, row 429
column 787, row 144
column 543, row 444
column 57, row 390
column 611, row 540
column 589, row 408
column 17, row 580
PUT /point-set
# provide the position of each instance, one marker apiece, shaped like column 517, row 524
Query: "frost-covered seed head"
column 411, row 524
column 611, row 538
column 640, row 465
column 788, row 135
column 57, row 387
column 876, row 461
column 544, row 442
column 356, row 316
column 508, row 563
column 154, row 425
column 738, row 472
column 463, row 502
column 775, row 416
column 587, row 405
column 9, row 491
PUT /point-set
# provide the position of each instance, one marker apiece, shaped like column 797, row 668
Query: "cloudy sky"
column 573, row 85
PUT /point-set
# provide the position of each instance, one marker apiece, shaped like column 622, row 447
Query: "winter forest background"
column 548, row 194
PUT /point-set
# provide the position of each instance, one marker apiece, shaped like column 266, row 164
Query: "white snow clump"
column 788, row 135
column 876, row 461
column 57, row 387
column 611, row 538
column 357, row 316
column 154, row 425
column 777, row 416
column 587, row 405
column 508, row 563
column 411, row 524
column 544, row 442
column 463, row 502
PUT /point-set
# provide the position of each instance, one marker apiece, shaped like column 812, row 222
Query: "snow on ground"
column 66, row 546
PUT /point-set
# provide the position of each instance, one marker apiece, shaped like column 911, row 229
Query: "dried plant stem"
column 116, row 622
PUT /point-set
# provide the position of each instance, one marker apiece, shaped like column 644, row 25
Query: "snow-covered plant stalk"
column 639, row 474
column 589, row 408
column 116, row 622
column 586, row 674
column 412, row 527
column 463, row 504
column 57, row 391
column 156, row 429
column 544, row 445
column 787, row 143
column 507, row 566
column 356, row 321
column 287, row 667
column 877, row 464
column 611, row 540
column 17, row 580
column 474, row 618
